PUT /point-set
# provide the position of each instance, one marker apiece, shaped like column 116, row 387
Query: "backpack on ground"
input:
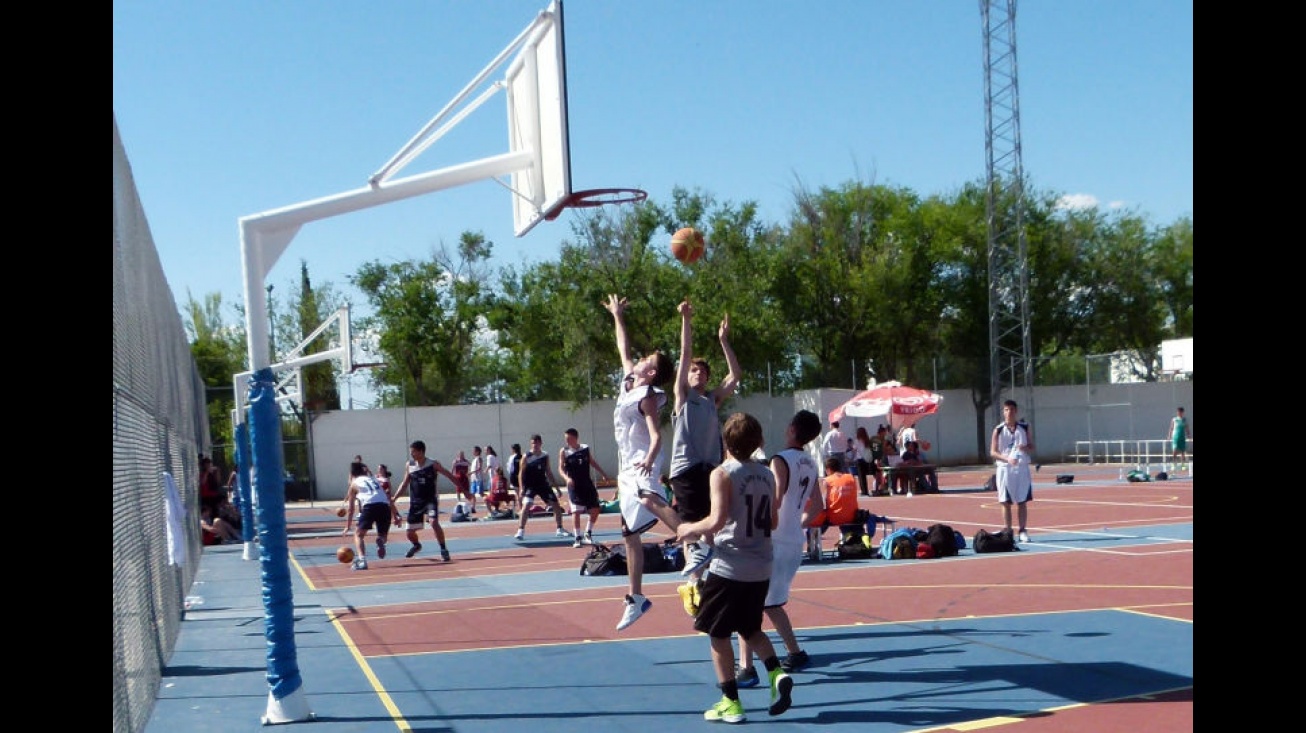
column 899, row 544
column 503, row 514
column 1001, row 541
column 943, row 539
column 602, row 560
column 991, row 484
column 663, row 557
column 460, row 513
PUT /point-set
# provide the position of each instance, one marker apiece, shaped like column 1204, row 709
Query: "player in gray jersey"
column 696, row 433
column 742, row 518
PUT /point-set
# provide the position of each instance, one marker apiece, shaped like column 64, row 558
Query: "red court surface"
column 1089, row 627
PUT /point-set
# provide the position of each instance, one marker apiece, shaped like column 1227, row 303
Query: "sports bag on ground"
column 943, row 539
column 1001, row 541
column 659, row 557
column 899, row 544
column 601, row 560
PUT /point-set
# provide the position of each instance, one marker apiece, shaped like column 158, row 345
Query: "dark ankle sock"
column 771, row 663
column 730, row 689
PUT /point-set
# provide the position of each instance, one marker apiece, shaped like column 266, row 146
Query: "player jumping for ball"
column 639, row 449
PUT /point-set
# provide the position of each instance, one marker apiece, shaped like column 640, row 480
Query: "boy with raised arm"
column 696, row 433
column 639, row 450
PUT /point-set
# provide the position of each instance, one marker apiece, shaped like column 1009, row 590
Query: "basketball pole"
column 265, row 236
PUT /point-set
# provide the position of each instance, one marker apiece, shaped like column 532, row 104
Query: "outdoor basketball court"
column 1089, row 627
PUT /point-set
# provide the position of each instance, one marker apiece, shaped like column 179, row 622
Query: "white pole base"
column 250, row 553
column 291, row 709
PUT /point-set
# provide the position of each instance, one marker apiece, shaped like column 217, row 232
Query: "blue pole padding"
column 243, row 489
column 278, row 596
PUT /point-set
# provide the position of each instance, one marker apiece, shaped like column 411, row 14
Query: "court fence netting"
column 159, row 426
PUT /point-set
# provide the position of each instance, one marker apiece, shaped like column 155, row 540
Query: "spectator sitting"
column 499, row 494
column 905, row 479
column 216, row 530
column 840, row 498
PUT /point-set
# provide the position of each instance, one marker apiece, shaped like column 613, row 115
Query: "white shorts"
column 784, row 566
column 1015, row 485
column 631, row 483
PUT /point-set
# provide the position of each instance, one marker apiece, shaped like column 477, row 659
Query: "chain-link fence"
column 159, row 425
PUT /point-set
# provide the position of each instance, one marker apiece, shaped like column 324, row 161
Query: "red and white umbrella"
column 903, row 405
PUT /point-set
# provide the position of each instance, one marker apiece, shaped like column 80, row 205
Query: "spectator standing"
column 479, row 476
column 1179, row 435
column 211, row 492
column 1009, row 449
column 462, row 485
column 866, row 466
column 492, row 465
column 905, row 436
column 833, row 446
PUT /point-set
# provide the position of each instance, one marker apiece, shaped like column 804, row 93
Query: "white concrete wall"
column 1061, row 416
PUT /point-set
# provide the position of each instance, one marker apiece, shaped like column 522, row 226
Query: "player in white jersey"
column 639, row 447
column 797, row 481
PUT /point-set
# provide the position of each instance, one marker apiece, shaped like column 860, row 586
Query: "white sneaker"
column 577, row 543
column 700, row 553
column 588, row 539
column 1023, row 537
column 521, row 535
column 634, row 609
column 561, row 533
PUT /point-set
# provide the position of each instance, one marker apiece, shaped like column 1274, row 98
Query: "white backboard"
column 537, row 121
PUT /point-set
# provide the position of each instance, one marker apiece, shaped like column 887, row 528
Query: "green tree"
column 1174, row 270
column 220, row 353
column 431, row 320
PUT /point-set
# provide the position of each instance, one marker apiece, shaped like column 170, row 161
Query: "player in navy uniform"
column 574, row 461
column 423, row 498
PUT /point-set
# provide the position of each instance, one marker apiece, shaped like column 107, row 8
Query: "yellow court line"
column 381, row 692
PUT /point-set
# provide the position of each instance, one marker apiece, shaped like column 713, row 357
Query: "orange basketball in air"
column 687, row 245
column 345, row 554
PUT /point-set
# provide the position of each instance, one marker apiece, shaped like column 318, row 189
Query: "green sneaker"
column 781, row 685
column 729, row 711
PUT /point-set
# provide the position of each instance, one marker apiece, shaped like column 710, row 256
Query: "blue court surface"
column 1088, row 628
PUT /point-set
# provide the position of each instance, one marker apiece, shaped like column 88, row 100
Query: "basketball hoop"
column 592, row 197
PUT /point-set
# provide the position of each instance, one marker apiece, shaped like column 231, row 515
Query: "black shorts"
column 377, row 513
column 693, row 492
column 419, row 508
column 729, row 607
column 584, row 495
column 545, row 493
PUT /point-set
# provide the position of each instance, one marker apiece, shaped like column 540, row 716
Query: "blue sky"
column 229, row 108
